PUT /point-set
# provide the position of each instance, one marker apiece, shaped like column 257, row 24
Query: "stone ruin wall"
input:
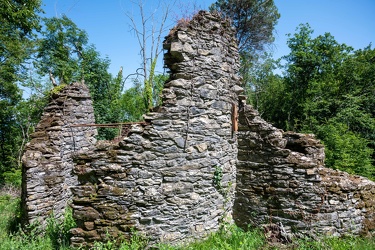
column 160, row 178
column 281, row 180
column 47, row 177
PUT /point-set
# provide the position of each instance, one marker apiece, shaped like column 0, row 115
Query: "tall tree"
column 265, row 88
column 311, row 77
column 328, row 90
column 65, row 56
column 132, row 103
column 18, row 21
column 149, row 33
column 254, row 21
column 60, row 50
column 100, row 82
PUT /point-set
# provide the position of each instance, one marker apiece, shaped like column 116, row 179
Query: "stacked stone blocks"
column 203, row 157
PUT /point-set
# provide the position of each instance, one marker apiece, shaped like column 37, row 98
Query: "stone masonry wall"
column 281, row 180
column 47, row 160
column 186, row 169
column 160, row 179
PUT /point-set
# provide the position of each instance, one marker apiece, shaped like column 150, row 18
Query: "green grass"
column 13, row 237
column 229, row 238
column 17, row 239
column 337, row 244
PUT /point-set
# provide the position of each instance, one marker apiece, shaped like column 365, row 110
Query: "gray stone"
column 194, row 164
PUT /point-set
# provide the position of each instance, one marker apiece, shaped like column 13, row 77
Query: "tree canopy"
column 18, row 21
column 327, row 89
column 254, row 21
column 60, row 50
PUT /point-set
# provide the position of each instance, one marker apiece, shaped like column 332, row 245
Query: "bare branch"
column 149, row 33
column 52, row 79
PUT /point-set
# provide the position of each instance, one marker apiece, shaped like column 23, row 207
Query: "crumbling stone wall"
column 186, row 169
column 47, row 160
column 281, row 180
column 174, row 178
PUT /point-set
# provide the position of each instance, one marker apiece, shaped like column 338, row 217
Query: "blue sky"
column 350, row 21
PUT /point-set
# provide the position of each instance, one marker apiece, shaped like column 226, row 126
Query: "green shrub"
column 13, row 177
column 58, row 230
column 136, row 242
column 230, row 237
column 346, row 150
column 12, row 236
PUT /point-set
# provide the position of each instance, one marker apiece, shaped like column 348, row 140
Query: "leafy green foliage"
column 310, row 81
column 327, row 89
column 20, row 15
column 58, row 231
column 18, row 21
column 12, row 236
column 346, row 150
column 218, row 176
column 254, row 21
column 265, row 88
column 60, row 49
column 148, row 85
column 25, row 116
column 8, row 140
column 61, row 52
column 9, row 208
column 105, row 91
column 13, row 177
column 133, row 104
column 227, row 238
column 158, row 86
column 136, row 242
column 333, row 243
column 64, row 55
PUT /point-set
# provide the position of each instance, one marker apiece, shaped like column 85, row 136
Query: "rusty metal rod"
column 108, row 125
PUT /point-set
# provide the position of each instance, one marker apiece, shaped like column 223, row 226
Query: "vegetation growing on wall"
column 228, row 238
column 327, row 86
column 60, row 54
column 327, row 89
